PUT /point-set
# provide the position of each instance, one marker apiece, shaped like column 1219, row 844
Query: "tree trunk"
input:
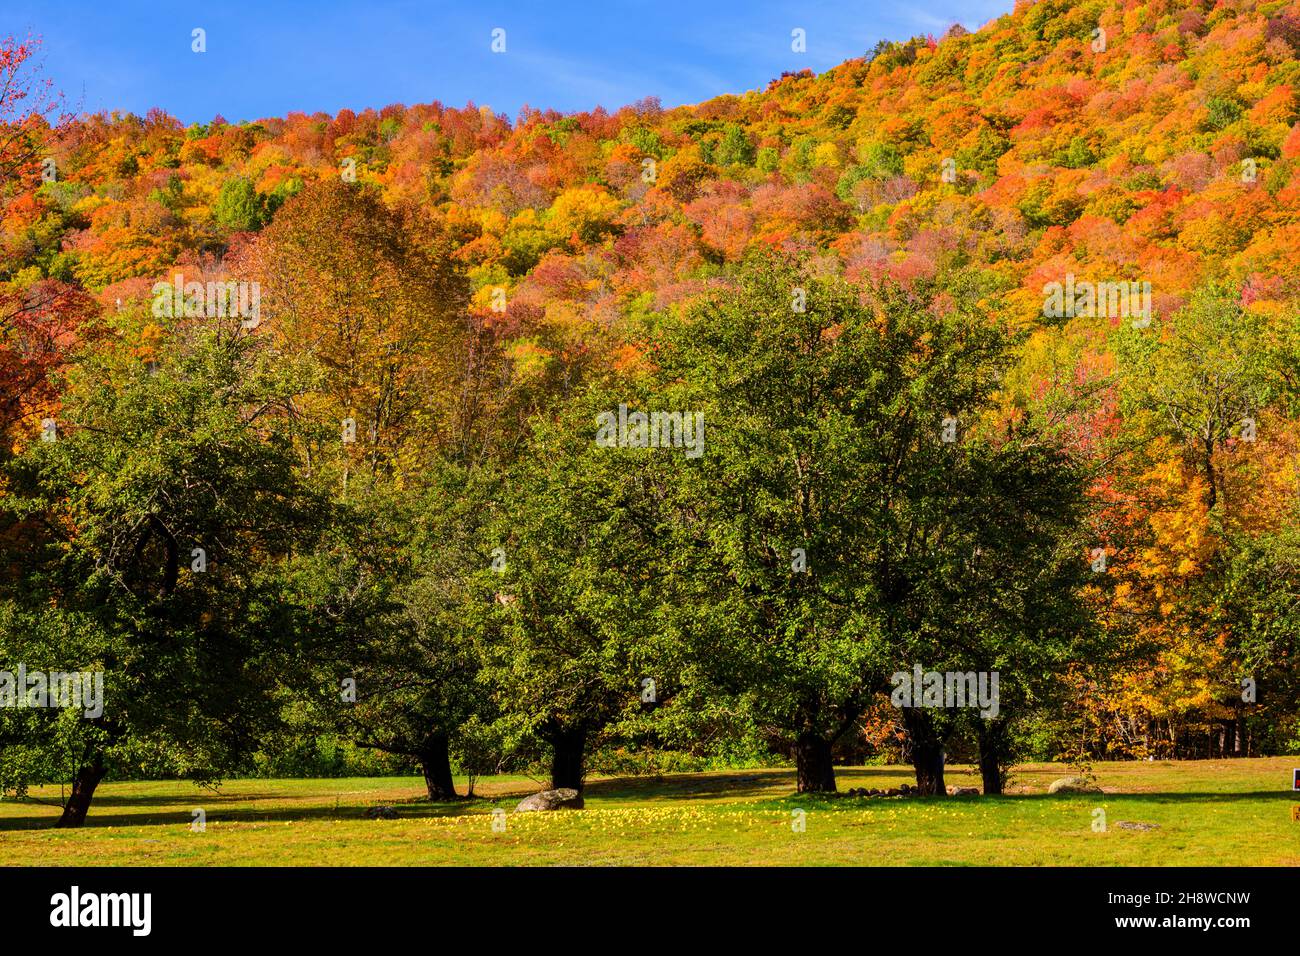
column 83, row 789
column 812, row 758
column 569, row 748
column 1212, row 493
column 927, row 752
column 435, row 760
column 995, row 756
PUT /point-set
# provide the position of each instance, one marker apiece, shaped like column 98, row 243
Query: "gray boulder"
column 381, row 813
column 563, row 799
column 1073, row 785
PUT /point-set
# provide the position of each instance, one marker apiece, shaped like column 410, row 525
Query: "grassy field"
column 1208, row 813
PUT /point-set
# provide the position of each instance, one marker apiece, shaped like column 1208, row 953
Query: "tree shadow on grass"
column 102, row 812
column 685, row 786
column 129, row 800
column 1162, row 796
column 773, row 783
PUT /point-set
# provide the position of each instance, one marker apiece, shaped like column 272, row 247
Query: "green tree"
column 390, row 611
column 159, row 521
column 736, row 148
column 1258, row 604
column 238, row 207
column 827, row 532
column 575, row 590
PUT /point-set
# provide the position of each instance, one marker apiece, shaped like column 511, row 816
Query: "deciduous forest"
column 977, row 354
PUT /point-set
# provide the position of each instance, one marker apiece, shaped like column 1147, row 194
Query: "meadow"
column 1207, row 813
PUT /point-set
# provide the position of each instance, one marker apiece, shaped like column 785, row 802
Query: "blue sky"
column 268, row 58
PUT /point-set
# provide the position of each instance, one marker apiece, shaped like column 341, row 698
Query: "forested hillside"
column 998, row 330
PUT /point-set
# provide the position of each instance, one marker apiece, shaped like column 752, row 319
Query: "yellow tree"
column 372, row 294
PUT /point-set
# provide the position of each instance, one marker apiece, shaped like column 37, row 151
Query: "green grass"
column 1235, row 812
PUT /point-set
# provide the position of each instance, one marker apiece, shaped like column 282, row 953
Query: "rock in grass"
column 1073, row 785
column 564, row 798
column 1133, row 825
column 381, row 813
